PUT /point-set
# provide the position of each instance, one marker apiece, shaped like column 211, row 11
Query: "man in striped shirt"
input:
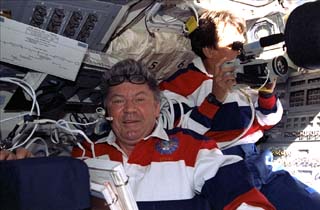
column 206, row 99
column 167, row 169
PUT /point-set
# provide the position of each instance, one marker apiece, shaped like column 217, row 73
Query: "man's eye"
column 140, row 100
column 117, row 101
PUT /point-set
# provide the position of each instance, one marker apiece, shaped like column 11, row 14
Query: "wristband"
column 213, row 100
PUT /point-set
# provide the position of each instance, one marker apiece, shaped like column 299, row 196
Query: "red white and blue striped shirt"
column 175, row 164
column 231, row 123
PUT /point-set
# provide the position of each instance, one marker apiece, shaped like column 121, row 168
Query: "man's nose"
column 129, row 105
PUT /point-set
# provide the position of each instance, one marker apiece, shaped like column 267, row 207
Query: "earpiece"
column 109, row 118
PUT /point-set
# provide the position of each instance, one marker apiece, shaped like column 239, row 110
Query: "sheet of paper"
column 40, row 50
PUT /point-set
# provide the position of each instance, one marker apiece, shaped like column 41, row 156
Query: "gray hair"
column 130, row 67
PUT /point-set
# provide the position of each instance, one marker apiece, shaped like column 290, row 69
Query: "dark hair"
column 206, row 35
column 130, row 67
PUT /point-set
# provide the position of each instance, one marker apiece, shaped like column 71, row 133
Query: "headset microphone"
column 302, row 35
column 256, row 48
column 109, row 118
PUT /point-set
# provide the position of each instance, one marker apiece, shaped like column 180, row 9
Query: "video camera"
column 257, row 72
column 301, row 40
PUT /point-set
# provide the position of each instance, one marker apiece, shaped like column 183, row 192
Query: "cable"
column 83, row 150
column 167, row 115
column 195, row 14
column 266, row 80
column 133, row 21
column 244, row 3
column 75, row 117
column 167, row 112
column 30, row 91
column 250, row 123
column 100, row 112
column 42, row 140
column 64, row 125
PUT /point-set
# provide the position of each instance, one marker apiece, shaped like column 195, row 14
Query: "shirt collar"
column 197, row 61
column 158, row 132
column 110, row 138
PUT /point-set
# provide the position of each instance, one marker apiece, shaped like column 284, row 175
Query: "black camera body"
column 256, row 72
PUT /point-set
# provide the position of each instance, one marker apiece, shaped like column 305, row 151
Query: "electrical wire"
column 195, row 14
column 65, row 126
column 266, row 80
column 250, row 123
column 252, row 5
column 39, row 139
column 100, row 112
column 62, row 124
column 167, row 115
column 132, row 22
column 30, row 91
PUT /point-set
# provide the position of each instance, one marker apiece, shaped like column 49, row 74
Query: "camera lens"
column 280, row 66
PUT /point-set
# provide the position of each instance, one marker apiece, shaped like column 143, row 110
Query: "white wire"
column 166, row 113
column 77, row 123
column 266, row 81
column 44, row 121
column 22, row 128
column 60, row 123
column 167, row 117
column 195, row 14
column 83, row 150
column 29, row 92
column 16, row 145
column 42, row 140
column 54, row 137
column 194, row 10
column 64, row 125
column 100, row 112
column 250, row 123
column 32, row 94
column 12, row 118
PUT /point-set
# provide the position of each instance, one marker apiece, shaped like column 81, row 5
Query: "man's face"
column 227, row 35
column 134, row 111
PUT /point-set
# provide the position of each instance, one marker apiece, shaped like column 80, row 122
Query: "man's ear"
column 208, row 52
column 157, row 109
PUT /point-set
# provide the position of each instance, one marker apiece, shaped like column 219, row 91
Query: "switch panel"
column 89, row 21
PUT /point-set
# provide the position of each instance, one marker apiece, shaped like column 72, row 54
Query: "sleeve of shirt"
column 182, row 111
column 192, row 106
column 228, row 185
column 269, row 110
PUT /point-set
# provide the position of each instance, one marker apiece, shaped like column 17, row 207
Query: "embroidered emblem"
column 167, row 147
